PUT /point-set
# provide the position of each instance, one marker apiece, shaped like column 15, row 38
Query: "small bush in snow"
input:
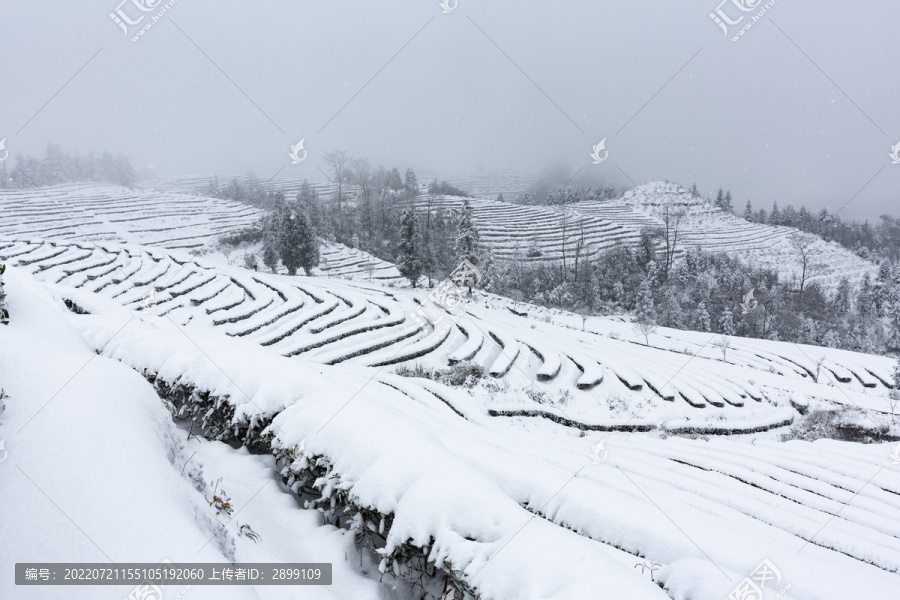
column 847, row 424
column 463, row 374
column 617, row 403
column 536, row 395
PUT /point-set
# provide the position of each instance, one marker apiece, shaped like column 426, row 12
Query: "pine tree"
column 646, row 248
column 645, row 312
column 291, row 242
column 893, row 311
column 748, row 212
column 467, row 235
column 775, row 216
column 701, row 316
column 270, row 251
column 789, row 216
column 726, row 322
column 309, row 246
column 297, row 246
column 720, row 199
column 409, row 259
column 412, row 183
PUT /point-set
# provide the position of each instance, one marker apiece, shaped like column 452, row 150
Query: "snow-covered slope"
column 161, row 219
column 95, row 470
column 503, row 508
column 97, row 212
column 540, row 363
column 765, row 246
column 515, row 232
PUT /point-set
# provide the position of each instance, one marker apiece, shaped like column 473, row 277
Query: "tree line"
column 59, row 167
column 380, row 211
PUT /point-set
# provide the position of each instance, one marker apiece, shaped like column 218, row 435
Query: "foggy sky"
column 519, row 85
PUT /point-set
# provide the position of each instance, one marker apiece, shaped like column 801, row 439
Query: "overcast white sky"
column 500, row 84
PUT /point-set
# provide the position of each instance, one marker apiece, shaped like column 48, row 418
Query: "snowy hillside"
column 98, row 212
column 767, row 246
column 542, row 361
column 547, row 233
column 94, row 212
column 171, row 215
column 421, row 472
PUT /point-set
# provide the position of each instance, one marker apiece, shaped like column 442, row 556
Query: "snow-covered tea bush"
column 463, row 374
column 847, row 424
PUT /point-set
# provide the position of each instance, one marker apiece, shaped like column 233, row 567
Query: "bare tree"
column 723, row 344
column 339, row 161
column 579, row 246
column 809, row 267
column 671, row 217
column 819, row 366
column 564, row 233
column 362, row 177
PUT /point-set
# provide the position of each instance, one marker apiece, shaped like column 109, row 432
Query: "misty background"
column 228, row 87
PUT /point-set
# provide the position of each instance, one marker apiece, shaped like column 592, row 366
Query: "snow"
column 514, row 505
column 93, row 472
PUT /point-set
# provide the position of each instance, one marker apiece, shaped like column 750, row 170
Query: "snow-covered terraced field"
column 761, row 245
column 194, row 184
column 541, row 365
column 514, row 232
column 502, row 509
column 94, row 212
column 337, row 260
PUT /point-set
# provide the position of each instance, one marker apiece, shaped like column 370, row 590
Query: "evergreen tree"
column 748, row 212
column 645, row 312
column 701, row 318
column 270, row 251
column 292, row 240
column 893, row 313
column 726, row 322
column 720, row 199
column 411, row 183
column 727, row 202
column 775, row 215
column 467, row 235
column 789, row 216
column 409, row 259
column 646, row 248
column 309, row 242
